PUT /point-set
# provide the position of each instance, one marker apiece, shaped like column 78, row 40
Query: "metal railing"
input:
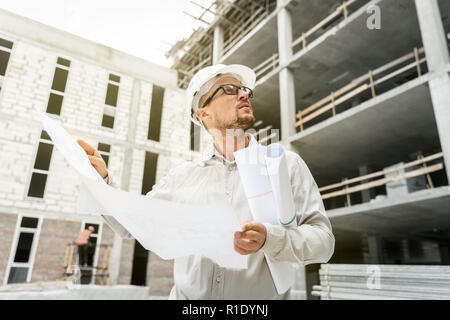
column 239, row 23
column 267, row 65
column 360, row 85
column 346, row 189
column 342, row 9
column 240, row 31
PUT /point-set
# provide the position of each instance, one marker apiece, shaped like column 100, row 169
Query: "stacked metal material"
column 382, row 282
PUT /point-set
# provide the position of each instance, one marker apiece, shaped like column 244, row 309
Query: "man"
column 219, row 97
column 82, row 242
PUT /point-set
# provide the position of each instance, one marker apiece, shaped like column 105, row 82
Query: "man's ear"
column 202, row 114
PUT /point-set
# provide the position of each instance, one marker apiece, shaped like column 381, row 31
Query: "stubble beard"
column 243, row 122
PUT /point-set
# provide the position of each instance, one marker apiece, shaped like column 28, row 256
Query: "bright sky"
column 143, row 28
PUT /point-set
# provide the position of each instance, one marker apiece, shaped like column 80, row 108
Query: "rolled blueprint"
column 252, row 167
column 279, row 179
column 255, row 180
column 171, row 229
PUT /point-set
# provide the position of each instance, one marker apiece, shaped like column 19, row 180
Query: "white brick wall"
column 27, row 82
column 16, row 150
column 27, row 86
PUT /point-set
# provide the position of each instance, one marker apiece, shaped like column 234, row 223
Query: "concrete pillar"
column 440, row 96
column 374, row 245
column 286, row 76
column 284, row 24
column 398, row 188
column 433, row 34
column 298, row 290
column 416, row 183
column 217, row 44
column 368, row 193
column 287, row 111
column 436, row 50
column 115, row 260
column 444, row 251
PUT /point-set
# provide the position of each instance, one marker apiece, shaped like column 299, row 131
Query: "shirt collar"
column 214, row 153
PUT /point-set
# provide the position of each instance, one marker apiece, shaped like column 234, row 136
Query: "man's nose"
column 242, row 94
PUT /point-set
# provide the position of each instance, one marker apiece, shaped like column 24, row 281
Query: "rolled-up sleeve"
column 312, row 241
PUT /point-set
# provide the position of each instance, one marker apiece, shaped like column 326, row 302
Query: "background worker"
column 82, row 242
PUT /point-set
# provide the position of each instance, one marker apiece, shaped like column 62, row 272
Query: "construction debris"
column 384, row 282
column 63, row 290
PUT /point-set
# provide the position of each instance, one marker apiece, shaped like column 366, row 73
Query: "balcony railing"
column 273, row 62
column 346, row 189
column 359, row 85
column 241, row 30
column 342, row 9
column 267, row 65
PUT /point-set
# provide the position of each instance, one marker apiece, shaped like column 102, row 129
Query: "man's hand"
column 251, row 238
column 96, row 159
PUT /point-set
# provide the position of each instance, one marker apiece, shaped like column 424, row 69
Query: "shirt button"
column 230, row 168
column 218, row 279
column 228, row 193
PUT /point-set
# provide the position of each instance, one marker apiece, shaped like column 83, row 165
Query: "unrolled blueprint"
column 167, row 228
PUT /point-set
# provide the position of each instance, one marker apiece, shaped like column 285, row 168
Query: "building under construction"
column 361, row 91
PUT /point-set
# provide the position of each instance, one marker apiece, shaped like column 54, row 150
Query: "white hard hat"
column 195, row 91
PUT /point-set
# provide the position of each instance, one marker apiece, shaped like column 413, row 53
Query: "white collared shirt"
column 199, row 182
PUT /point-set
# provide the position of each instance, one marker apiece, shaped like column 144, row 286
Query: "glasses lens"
column 230, row 89
column 234, row 90
column 249, row 92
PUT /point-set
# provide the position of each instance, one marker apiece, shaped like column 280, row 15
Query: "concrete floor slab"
column 419, row 211
column 334, row 56
column 343, row 53
column 257, row 46
column 350, row 49
column 379, row 132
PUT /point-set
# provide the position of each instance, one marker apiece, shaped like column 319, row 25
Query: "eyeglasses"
column 229, row 89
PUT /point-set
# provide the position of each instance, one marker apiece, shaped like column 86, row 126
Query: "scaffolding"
column 236, row 17
column 100, row 272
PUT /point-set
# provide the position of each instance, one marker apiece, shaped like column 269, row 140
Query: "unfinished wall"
column 126, row 262
column 54, row 237
column 159, row 275
column 7, row 227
